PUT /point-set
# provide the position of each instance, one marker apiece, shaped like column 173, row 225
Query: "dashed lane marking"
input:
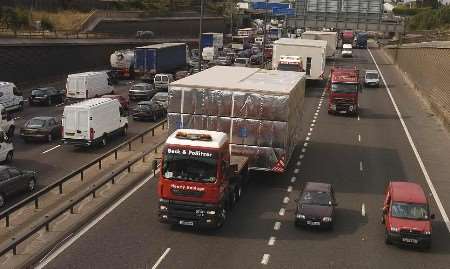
column 363, row 210
column 161, row 258
column 282, row 211
column 303, row 150
column 265, row 259
column 359, row 138
column 277, row 226
column 50, row 149
column 286, row 200
column 301, row 156
column 413, row 146
column 293, row 179
column 360, row 166
column 299, row 163
column 296, row 171
column 272, row 240
column 289, row 189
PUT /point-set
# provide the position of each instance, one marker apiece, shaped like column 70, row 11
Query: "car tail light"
column 91, row 133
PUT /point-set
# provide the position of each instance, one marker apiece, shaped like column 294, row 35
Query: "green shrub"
column 430, row 19
column 404, row 11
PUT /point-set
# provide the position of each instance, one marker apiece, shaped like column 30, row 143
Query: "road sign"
column 283, row 11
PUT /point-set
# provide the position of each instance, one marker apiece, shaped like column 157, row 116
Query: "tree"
column 160, row 7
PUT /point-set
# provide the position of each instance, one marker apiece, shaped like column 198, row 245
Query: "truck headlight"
column 327, row 219
column 395, row 229
column 300, row 216
column 210, row 212
column 163, row 207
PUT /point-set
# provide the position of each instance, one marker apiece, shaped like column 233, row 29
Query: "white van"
column 259, row 40
column 88, row 85
column 347, row 50
column 244, row 62
column 6, row 122
column 6, row 148
column 93, row 122
column 162, row 81
column 10, row 98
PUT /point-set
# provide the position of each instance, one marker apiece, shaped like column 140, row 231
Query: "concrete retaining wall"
column 427, row 66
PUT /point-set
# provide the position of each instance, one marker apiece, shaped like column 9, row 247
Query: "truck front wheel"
column 222, row 217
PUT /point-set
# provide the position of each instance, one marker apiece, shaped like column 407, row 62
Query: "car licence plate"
column 410, row 240
column 343, row 112
column 313, row 223
column 186, row 223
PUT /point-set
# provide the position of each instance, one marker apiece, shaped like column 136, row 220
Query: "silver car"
column 372, row 78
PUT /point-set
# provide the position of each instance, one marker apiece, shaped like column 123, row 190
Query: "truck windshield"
column 288, row 67
column 344, row 88
column 409, row 211
column 189, row 165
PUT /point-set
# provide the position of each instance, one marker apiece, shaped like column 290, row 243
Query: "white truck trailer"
column 312, row 52
column 330, row 37
column 260, row 110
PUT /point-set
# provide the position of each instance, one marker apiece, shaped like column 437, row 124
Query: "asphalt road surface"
column 54, row 160
column 359, row 155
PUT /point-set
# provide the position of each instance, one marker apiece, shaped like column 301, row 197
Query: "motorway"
column 359, row 155
column 53, row 160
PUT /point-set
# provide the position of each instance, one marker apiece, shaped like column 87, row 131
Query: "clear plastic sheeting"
column 262, row 122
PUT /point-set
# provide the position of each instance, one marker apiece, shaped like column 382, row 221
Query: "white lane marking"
column 299, row 163
column 161, row 258
column 309, row 134
column 413, row 146
column 48, row 150
column 311, row 129
column 316, row 114
column 265, row 259
column 307, row 139
column 318, row 110
column 305, row 144
column 301, row 156
column 363, row 210
column 314, row 121
column 289, row 189
column 303, row 150
column 358, row 117
column 277, row 226
column 86, row 228
column 315, row 117
column 360, row 166
column 286, row 200
column 271, row 241
column 359, row 138
column 293, row 179
column 282, row 211
column 296, row 171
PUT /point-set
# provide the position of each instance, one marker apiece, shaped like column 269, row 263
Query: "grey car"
column 14, row 181
column 141, row 91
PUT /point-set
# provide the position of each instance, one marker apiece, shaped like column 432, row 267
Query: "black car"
column 316, row 206
column 41, row 128
column 46, row 96
column 15, row 181
column 147, row 110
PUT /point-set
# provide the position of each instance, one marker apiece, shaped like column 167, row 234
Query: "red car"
column 406, row 215
column 122, row 100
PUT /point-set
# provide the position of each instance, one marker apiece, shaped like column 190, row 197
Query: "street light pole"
column 264, row 33
column 200, row 58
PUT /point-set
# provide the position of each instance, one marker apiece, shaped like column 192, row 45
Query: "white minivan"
column 6, row 122
column 93, row 122
column 88, row 85
column 10, row 97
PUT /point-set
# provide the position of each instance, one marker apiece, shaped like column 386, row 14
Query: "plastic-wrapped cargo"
column 261, row 110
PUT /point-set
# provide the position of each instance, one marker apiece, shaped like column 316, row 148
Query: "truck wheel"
column 223, row 217
column 21, row 106
column 49, row 101
column 125, row 130
column 49, row 138
column 31, row 185
column 9, row 157
column 155, row 117
column 104, row 141
column 387, row 238
column 238, row 193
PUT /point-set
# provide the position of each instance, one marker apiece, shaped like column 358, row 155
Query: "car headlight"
column 210, row 212
column 350, row 108
column 427, row 233
column 163, row 207
column 395, row 229
column 300, row 216
column 327, row 219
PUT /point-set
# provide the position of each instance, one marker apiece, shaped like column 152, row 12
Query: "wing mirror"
column 432, row 216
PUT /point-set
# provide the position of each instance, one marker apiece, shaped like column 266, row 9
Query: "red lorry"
column 347, row 37
column 199, row 180
column 343, row 88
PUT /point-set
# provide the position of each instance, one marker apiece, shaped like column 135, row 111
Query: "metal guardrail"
column 6, row 33
column 59, row 184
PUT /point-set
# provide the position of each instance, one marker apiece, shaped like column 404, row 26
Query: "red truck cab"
column 406, row 215
column 343, row 88
column 199, row 179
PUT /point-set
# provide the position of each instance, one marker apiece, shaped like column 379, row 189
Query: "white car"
column 347, row 50
column 372, row 78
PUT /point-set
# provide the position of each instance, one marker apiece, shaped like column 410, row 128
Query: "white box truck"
column 312, row 52
column 330, row 37
column 93, row 122
column 10, row 97
column 88, row 85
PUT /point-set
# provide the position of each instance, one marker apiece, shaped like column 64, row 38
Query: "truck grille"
column 343, row 101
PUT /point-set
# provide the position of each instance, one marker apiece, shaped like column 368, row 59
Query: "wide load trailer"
column 330, row 37
column 159, row 58
column 312, row 52
column 260, row 110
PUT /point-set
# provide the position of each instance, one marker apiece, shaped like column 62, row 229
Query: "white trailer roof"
column 302, row 42
column 4, row 83
column 319, row 33
column 217, row 138
column 92, row 102
column 161, row 45
column 243, row 78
